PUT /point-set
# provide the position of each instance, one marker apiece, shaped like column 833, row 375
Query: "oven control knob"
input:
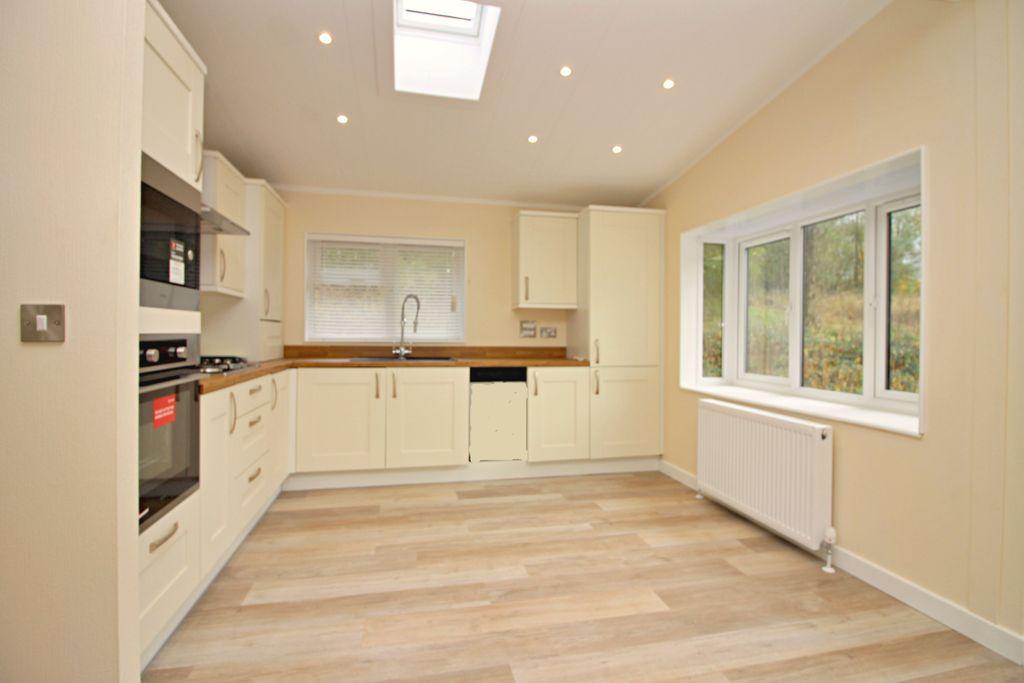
column 181, row 352
column 152, row 355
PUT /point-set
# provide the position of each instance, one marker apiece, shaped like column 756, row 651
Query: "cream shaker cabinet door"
column 546, row 252
column 222, row 264
column 427, row 417
column 172, row 99
column 340, row 419
column 625, row 288
column 558, row 414
column 218, row 412
column 281, row 428
column 625, row 412
column 272, row 296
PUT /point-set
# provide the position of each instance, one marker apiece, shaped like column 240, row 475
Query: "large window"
column 826, row 304
column 355, row 287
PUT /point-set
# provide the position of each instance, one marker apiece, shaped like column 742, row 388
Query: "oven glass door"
column 168, row 444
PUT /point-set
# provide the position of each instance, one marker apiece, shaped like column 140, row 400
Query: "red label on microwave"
column 165, row 410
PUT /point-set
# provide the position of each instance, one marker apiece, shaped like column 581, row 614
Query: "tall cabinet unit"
column 618, row 325
column 250, row 326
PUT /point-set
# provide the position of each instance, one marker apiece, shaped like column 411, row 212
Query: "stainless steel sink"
column 394, row 359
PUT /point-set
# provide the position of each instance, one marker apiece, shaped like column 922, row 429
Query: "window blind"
column 355, row 287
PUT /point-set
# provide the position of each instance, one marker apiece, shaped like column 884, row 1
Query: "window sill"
column 898, row 423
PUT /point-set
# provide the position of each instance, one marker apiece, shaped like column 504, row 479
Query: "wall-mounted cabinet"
column 223, row 256
column 545, row 253
column 558, row 412
column 173, row 80
column 267, row 208
column 376, row 418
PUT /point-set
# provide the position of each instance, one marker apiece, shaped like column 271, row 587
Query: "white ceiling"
column 273, row 92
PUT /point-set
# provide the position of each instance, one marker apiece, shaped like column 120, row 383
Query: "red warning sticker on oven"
column 165, row 410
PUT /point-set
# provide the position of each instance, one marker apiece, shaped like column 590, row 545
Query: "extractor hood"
column 213, row 223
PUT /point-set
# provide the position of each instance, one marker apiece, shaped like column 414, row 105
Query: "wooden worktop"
column 341, row 357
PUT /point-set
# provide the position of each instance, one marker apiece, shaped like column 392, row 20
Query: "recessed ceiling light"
column 342, row 119
column 617, row 149
column 532, row 139
column 566, row 71
column 325, row 37
column 668, row 84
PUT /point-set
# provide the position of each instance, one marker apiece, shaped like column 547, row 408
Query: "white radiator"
column 773, row 469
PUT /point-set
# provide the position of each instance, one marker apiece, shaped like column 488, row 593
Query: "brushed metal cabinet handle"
column 394, row 386
column 255, row 421
column 255, row 475
column 155, row 545
column 234, row 413
column 223, row 264
column 597, row 382
column 199, row 155
column 597, row 351
column 376, row 385
column 527, row 278
column 266, row 301
column 256, row 389
column 273, row 404
column 536, row 384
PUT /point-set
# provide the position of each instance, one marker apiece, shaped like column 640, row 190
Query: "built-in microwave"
column 169, row 270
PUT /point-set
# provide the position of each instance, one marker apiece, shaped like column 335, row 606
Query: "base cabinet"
column 281, row 386
column 428, row 417
column 377, row 418
column 340, row 420
column 216, row 519
column 558, row 414
column 169, row 567
column 625, row 412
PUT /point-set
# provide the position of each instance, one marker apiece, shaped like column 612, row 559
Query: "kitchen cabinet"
column 545, row 254
column 269, row 204
column 558, row 409
column 251, row 327
column 340, row 419
column 280, row 426
column 222, row 264
column 427, row 417
column 223, row 187
column 377, row 418
column 625, row 411
column 173, row 82
column 169, row 567
column 618, row 326
column 216, row 412
column 620, row 321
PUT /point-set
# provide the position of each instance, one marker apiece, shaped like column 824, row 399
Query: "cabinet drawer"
column 250, row 439
column 251, row 395
column 251, row 489
column 168, row 567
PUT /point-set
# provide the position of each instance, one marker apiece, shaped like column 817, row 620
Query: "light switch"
column 42, row 322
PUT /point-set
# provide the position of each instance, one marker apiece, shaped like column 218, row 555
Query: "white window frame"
column 372, row 239
column 881, row 302
column 873, row 393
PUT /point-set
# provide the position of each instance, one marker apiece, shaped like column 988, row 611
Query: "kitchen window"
column 355, row 287
column 815, row 297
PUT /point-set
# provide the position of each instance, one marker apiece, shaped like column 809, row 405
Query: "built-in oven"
column 171, row 225
column 168, row 423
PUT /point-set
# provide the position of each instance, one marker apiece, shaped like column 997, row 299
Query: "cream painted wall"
column 71, row 125
column 487, row 230
column 944, row 510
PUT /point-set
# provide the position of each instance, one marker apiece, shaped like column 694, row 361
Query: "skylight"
column 442, row 47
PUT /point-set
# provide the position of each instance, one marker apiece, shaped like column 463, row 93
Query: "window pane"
column 355, row 289
column 714, row 264
column 833, row 334
column 904, row 309
column 767, row 307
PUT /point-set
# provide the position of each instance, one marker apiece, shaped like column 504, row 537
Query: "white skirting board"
column 981, row 630
column 475, row 471
column 179, row 616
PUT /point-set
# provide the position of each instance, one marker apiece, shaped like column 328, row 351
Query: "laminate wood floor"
column 598, row 578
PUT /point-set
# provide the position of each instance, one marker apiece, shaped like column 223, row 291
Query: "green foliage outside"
column 767, row 343
column 904, row 300
column 714, row 271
